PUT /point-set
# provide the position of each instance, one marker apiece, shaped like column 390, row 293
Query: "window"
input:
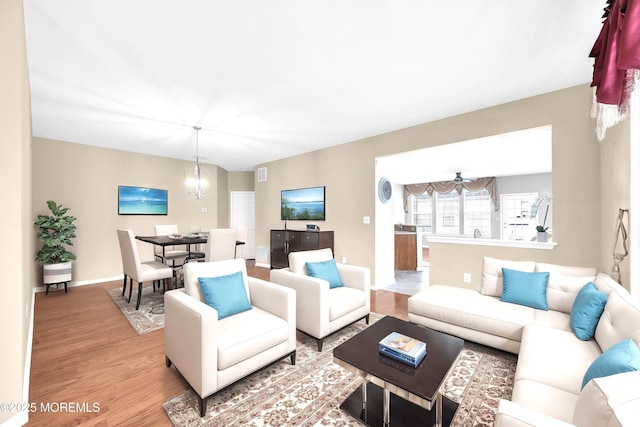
column 477, row 213
column 447, row 213
column 453, row 214
column 422, row 212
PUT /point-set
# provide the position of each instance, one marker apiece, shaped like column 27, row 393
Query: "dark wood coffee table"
column 395, row 393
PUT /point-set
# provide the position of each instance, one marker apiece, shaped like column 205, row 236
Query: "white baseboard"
column 85, row 282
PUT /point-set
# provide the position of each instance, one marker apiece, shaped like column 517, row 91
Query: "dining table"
column 187, row 240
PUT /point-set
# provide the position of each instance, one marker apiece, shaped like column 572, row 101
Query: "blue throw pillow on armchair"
column 226, row 294
column 326, row 270
column 525, row 288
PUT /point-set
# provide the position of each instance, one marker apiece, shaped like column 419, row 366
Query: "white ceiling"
column 270, row 79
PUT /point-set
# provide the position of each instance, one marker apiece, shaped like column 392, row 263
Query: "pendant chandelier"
column 197, row 178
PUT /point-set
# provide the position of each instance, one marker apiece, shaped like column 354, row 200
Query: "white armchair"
column 212, row 354
column 322, row 310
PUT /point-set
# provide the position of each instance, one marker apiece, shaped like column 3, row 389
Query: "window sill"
column 493, row 242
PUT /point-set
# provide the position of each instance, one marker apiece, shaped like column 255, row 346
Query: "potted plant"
column 55, row 234
column 543, row 236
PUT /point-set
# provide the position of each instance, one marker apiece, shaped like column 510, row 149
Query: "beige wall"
column 348, row 172
column 15, row 134
column 615, row 178
column 86, row 178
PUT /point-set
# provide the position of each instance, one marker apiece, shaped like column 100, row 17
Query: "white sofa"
column 552, row 361
column 322, row 310
column 212, row 353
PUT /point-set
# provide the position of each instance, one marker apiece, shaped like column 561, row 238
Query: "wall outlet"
column 467, row 278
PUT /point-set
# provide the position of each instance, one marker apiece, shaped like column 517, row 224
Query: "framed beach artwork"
column 142, row 201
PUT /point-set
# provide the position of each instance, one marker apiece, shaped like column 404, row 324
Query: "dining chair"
column 221, row 244
column 134, row 269
column 169, row 254
column 242, row 235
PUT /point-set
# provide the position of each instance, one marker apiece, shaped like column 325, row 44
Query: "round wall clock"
column 384, row 190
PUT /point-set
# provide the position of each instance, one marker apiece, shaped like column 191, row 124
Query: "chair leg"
column 124, row 285
column 139, row 295
column 293, row 357
column 203, row 407
column 319, row 341
column 167, row 361
column 130, row 288
column 366, row 319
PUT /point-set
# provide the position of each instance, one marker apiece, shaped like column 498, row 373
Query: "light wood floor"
column 85, row 352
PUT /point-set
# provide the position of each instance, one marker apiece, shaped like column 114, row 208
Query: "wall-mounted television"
column 142, row 201
column 303, row 204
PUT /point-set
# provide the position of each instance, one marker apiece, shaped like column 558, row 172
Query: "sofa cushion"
column 325, row 270
column 344, row 300
column 564, row 284
column 609, row 401
column 469, row 309
column 491, row 283
column 543, row 398
column 554, row 357
column 621, row 357
column 297, row 260
column 586, row 311
column 552, row 319
column 525, row 288
column 247, row 334
column 620, row 319
column 225, row 293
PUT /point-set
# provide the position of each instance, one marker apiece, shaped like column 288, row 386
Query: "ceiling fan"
column 459, row 179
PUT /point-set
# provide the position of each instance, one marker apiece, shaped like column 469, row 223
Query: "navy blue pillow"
column 226, row 294
column 525, row 288
column 586, row 311
column 327, row 270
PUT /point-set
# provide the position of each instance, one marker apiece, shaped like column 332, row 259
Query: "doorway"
column 243, row 215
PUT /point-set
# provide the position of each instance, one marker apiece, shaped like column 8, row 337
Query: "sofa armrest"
column 275, row 299
column 511, row 414
column 312, row 300
column 191, row 339
column 355, row 276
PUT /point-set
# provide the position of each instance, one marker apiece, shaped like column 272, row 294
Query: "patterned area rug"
column 311, row 392
column 150, row 316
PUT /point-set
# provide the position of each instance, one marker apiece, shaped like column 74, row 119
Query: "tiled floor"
column 409, row 282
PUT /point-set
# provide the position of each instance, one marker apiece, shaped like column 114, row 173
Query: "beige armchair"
column 322, row 310
column 212, row 353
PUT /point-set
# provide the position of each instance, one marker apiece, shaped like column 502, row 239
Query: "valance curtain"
column 616, row 69
column 444, row 187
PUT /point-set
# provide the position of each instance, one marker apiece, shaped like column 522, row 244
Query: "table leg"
column 363, row 414
column 386, row 397
column 438, row 409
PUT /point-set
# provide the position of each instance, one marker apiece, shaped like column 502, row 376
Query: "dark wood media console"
column 285, row 241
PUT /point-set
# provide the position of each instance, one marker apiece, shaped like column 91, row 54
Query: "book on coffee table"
column 403, row 348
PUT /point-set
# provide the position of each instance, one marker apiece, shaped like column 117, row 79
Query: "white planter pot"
column 543, row 236
column 56, row 273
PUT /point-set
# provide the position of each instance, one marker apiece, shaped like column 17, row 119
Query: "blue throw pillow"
column 525, row 288
column 586, row 311
column 226, row 294
column 327, row 270
column 622, row 357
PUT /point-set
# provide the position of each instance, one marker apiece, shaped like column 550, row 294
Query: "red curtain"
column 617, row 63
